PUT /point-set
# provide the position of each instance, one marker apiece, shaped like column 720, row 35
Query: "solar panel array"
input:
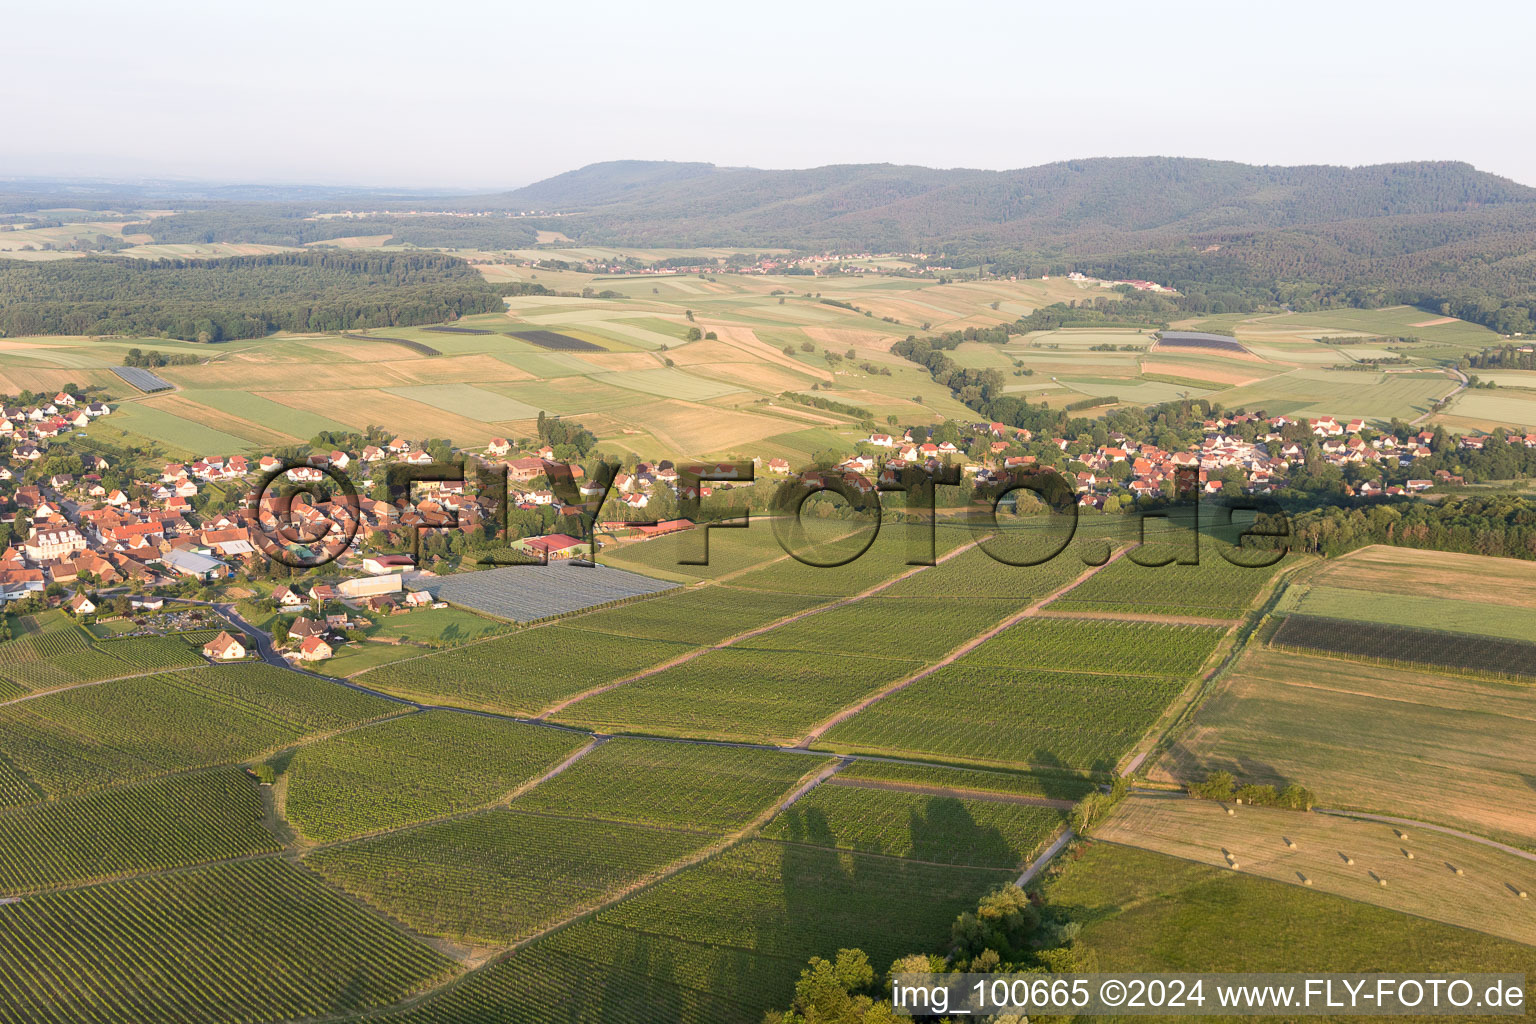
column 527, row 592
column 144, row 380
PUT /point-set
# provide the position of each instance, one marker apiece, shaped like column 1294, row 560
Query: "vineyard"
column 498, row 876
column 703, row 615
column 937, row 829
column 963, row 780
column 719, row 943
column 66, row 656
column 522, row 673
column 687, row 785
column 236, row 943
column 737, row 694
column 15, row 787
column 1213, row 589
column 1409, row 646
column 186, row 819
column 906, row 629
column 150, row 725
column 414, row 768
column 1090, row 645
column 1025, row 719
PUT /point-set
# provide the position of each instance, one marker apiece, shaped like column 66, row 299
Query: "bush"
column 1218, row 785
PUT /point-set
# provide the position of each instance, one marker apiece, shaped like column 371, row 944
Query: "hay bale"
column 1289, row 842
column 1306, row 881
column 1400, row 833
column 1231, row 811
column 1408, row 854
column 1460, row 872
column 1349, row 860
column 1233, row 865
column 1381, row 881
column 1524, row 895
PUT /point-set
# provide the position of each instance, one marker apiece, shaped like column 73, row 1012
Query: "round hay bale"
column 1306, row 881
column 1231, row 811
column 1408, row 854
column 1233, row 865
column 1349, row 860
column 1460, row 872
column 1381, row 881
column 1239, row 800
column 1290, row 843
column 1524, row 895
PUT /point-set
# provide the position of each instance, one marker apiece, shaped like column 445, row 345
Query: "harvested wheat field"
column 1346, row 856
column 1383, row 569
column 1457, row 751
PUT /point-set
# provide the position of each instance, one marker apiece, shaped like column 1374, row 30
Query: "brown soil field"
column 1200, row 371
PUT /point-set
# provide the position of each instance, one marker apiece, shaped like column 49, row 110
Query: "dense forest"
column 240, row 297
column 295, row 225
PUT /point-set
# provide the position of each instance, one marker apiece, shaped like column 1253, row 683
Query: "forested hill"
column 1080, row 206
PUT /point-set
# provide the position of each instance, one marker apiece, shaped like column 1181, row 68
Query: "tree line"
column 239, row 297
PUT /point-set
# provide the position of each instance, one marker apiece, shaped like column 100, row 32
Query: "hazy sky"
column 464, row 93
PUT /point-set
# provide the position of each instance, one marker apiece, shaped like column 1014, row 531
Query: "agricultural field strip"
column 959, row 793
column 1109, row 616
column 97, row 682
column 954, row 655
column 467, row 812
column 638, row 885
column 1415, row 823
column 751, row 633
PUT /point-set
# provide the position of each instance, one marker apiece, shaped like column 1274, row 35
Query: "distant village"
column 73, row 536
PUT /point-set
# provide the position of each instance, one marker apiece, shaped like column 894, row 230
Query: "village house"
column 223, row 648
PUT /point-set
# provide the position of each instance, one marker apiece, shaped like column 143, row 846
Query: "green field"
column 437, row 627
column 175, row 431
column 1376, row 397
column 267, row 412
column 1457, row 616
column 667, row 382
column 414, row 768
column 1142, row 911
column 468, row 400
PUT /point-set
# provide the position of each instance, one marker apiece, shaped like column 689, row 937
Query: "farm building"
column 371, row 586
column 382, row 565
column 190, row 563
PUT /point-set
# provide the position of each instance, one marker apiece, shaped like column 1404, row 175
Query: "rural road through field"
column 1039, row 863
column 1414, row 823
